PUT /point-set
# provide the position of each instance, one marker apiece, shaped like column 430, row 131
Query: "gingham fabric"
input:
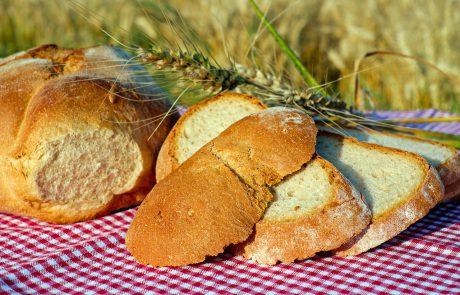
column 90, row 257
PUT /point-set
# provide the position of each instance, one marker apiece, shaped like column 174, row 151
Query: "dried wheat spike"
column 192, row 66
column 198, row 69
column 277, row 91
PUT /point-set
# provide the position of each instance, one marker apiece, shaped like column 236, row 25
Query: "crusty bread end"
column 71, row 145
column 215, row 197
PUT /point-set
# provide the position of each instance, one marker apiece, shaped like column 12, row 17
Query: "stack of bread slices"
column 265, row 184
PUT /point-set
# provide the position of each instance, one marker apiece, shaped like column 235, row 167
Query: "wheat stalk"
column 197, row 69
column 193, row 67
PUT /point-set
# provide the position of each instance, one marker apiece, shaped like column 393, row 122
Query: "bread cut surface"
column 71, row 144
column 400, row 187
column 210, row 201
column 444, row 158
column 200, row 124
column 315, row 209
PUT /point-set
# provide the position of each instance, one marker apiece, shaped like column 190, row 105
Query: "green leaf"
column 311, row 82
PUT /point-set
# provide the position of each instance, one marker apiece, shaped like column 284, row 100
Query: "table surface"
column 90, row 257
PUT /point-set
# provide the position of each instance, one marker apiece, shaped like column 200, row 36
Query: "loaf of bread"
column 315, row 209
column 77, row 133
column 444, row 158
column 400, row 187
column 216, row 196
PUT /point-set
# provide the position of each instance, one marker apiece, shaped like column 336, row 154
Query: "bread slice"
column 212, row 200
column 400, row 187
column 315, row 209
column 200, row 124
column 195, row 212
column 71, row 145
column 444, row 158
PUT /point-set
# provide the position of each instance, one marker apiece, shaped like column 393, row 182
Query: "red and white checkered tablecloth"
column 90, row 257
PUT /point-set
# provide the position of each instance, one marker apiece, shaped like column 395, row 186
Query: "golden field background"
column 329, row 36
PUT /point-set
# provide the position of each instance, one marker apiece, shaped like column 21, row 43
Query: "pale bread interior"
column 89, row 166
column 435, row 154
column 300, row 193
column 208, row 122
column 385, row 178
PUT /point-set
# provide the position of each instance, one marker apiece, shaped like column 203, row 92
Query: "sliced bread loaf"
column 400, row 187
column 315, row 209
column 444, row 158
column 212, row 200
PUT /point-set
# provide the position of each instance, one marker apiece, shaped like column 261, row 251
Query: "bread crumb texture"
column 206, row 123
column 400, row 187
column 444, row 158
column 373, row 172
column 66, row 168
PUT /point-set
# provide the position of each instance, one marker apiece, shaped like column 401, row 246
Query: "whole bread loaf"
column 76, row 134
column 215, row 197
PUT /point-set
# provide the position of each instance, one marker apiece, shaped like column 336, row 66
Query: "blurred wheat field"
column 329, row 36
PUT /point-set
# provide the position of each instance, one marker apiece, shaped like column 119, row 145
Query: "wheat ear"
column 195, row 68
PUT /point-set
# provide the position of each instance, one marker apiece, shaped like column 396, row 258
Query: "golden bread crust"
column 208, row 202
column 194, row 212
column 47, row 94
column 449, row 172
column 269, row 153
column 452, row 192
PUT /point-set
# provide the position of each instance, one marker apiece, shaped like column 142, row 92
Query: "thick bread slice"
column 315, row 209
column 195, row 212
column 210, row 202
column 201, row 123
column 444, row 158
column 400, row 187
column 71, row 144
